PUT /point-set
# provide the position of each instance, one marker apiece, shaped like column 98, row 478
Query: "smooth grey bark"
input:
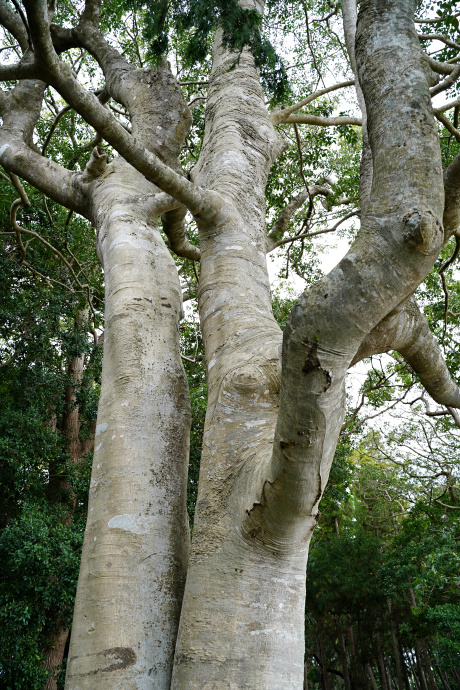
column 136, row 544
column 136, row 541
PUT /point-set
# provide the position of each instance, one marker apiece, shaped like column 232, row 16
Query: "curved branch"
column 174, row 229
column 447, row 82
column 57, row 119
column 275, row 238
column 439, row 37
column 55, row 181
column 406, row 331
column 439, row 67
column 448, row 124
column 447, row 106
column 13, row 24
column 308, row 235
column 199, row 201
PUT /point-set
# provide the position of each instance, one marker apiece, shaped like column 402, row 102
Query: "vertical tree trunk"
column 55, row 656
column 414, row 670
column 324, row 674
column 136, row 541
column 426, row 657
column 381, row 664
column 404, row 665
column 343, row 655
column 59, row 490
column 444, row 681
column 395, row 649
column 371, row 677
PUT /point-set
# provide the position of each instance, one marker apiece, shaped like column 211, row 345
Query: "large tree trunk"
column 136, row 542
column 257, row 508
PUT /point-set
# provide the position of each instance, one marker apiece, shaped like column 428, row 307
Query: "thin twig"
column 19, row 231
column 308, row 235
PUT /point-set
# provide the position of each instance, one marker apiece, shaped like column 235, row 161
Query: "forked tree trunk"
column 259, row 490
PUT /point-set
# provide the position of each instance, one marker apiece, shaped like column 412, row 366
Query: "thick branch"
column 96, row 165
column 447, row 82
column 451, row 217
column 406, row 331
column 174, row 229
column 439, row 67
column 13, row 24
column 447, row 106
column 58, row 74
column 398, row 243
column 366, row 171
column 52, row 179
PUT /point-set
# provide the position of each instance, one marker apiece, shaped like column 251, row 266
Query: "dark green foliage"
column 195, row 22
column 367, row 557
column 42, row 522
column 40, row 558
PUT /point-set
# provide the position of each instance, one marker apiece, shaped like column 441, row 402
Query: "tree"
column 276, row 402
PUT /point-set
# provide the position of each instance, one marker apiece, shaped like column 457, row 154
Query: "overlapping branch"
column 200, row 202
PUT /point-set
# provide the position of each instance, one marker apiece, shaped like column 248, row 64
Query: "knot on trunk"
column 263, row 378
column 422, row 231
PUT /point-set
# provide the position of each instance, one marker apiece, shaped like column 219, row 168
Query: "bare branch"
column 455, row 415
column 96, row 165
column 322, row 121
column 57, row 119
column 445, row 505
column 439, row 37
column 92, row 11
column 447, row 82
column 448, row 125
column 198, row 200
column 17, row 184
column 308, row 235
column 439, row 67
column 54, row 180
column 24, row 21
column 435, row 20
column 279, row 117
column 13, row 24
column 447, row 106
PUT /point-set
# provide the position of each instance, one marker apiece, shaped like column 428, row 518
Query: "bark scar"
column 321, row 380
